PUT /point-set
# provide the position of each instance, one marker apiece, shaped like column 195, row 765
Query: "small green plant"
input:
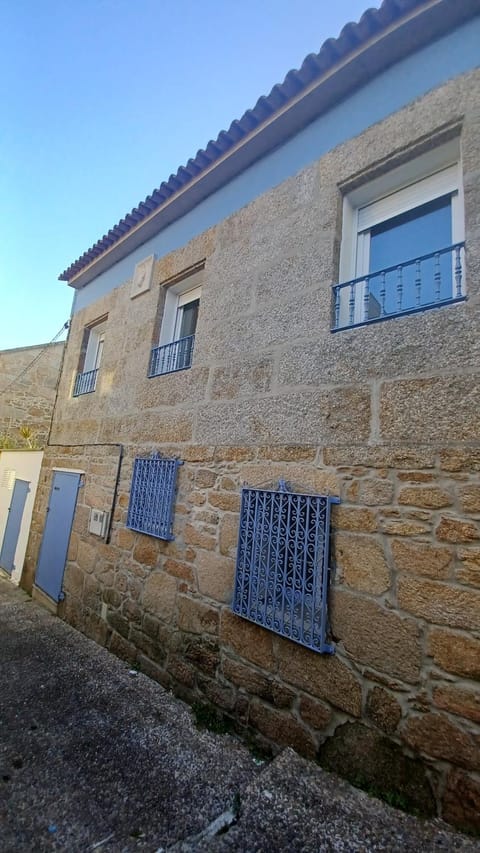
column 29, row 437
column 6, row 443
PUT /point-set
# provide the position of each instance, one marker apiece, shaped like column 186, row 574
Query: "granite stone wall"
column 28, row 399
column 386, row 417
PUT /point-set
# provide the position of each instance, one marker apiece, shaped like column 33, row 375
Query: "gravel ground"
column 94, row 758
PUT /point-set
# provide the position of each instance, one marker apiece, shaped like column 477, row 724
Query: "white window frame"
column 176, row 297
column 94, row 352
column 421, row 180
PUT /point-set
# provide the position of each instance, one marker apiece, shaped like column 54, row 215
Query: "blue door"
column 56, row 535
column 14, row 523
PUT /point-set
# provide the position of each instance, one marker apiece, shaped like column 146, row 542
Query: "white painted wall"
column 26, row 464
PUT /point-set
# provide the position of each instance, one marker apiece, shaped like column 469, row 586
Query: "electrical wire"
column 34, row 360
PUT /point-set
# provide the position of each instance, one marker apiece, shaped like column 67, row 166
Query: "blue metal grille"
column 175, row 356
column 417, row 285
column 85, row 383
column 152, row 496
column 282, row 572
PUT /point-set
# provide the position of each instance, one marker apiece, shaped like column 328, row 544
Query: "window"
column 402, row 242
column 152, row 496
column 282, row 571
column 179, row 325
column 90, row 358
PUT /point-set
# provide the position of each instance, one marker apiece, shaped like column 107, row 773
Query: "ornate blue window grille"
column 152, row 496
column 175, row 356
column 431, row 281
column 85, row 383
column 282, row 572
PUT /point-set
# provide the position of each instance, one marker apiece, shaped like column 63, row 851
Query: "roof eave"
column 401, row 38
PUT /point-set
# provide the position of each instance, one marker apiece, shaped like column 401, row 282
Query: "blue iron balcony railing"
column 175, row 356
column 85, row 383
column 430, row 281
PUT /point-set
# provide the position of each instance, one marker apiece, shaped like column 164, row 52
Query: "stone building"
column 208, row 328
column 29, row 394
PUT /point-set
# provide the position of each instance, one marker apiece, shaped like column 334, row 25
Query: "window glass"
column 188, row 323
column 403, row 238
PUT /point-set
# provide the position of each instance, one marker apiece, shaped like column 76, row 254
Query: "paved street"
column 93, row 757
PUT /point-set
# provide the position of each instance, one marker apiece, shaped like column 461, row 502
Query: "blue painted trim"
column 450, row 56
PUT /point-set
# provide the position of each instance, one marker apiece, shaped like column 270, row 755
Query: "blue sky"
column 102, row 100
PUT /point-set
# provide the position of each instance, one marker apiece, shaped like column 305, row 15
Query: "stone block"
column 430, row 497
column 205, row 478
column 281, row 728
column 458, row 700
column 455, row 652
column 249, row 641
column 194, row 536
column 374, row 491
column 73, row 581
column 461, row 802
column 368, row 759
column 180, row 570
column 378, row 637
column 316, row 714
column 146, row 551
column 357, row 520
column 120, row 647
column 383, row 709
column 299, row 476
column 469, row 497
column 195, row 617
column 112, row 597
column 415, row 476
column 132, row 611
column 154, row 671
column 86, row 556
column 92, row 593
column 436, row 736
column 247, row 377
column 437, row 406
column 228, row 501
column 125, row 538
column 396, row 524
column 228, row 539
column 380, row 456
column 221, row 695
column 203, row 654
column 288, row 453
column 119, row 623
column 460, row 459
column 257, row 683
column 421, row 558
column 181, row 671
column 227, row 453
column 323, row 676
column 310, row 417
column 159, row 595
column 440, row 603
column 215, row 575
column 468, row 567
column 456, row 530
column 362, row 562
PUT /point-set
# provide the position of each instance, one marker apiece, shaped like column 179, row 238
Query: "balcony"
column 171, row 357
column 85, row 383
column 430, row 281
